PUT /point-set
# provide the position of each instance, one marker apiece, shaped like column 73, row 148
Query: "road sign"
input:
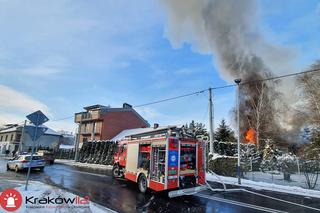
column 37, row 118
column 35, row 134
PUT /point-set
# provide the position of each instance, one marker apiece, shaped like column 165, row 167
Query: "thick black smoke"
column 228, row 30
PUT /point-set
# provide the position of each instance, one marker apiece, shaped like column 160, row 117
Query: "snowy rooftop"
column 130, row 132
column 48, row 132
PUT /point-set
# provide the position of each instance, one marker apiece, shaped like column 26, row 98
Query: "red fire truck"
column 161, row 159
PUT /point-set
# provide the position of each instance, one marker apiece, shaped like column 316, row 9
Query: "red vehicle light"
column 24, row 161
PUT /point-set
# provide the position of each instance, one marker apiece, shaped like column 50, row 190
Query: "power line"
column 173, row 98
column 213, row 88
column 283, row 76
column 185, row 95
column 227, row 86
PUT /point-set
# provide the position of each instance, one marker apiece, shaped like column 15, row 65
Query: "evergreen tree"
column 311, row 157
column 224, row 133
column 312, row 149
column 269, row 158
column 195, row 129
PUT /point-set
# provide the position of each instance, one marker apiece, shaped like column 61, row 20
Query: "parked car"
column 22, row 162
column 47, row 156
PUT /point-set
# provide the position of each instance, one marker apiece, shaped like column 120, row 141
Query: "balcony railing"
column 89, row 133
column 86, row 116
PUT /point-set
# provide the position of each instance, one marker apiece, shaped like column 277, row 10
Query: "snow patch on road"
column 83, row 165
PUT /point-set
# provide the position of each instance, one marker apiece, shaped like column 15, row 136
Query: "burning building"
column 250, row 136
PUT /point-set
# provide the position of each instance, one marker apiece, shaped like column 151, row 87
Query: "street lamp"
column 238, row 81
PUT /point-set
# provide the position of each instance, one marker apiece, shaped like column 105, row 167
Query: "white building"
column 11, row 137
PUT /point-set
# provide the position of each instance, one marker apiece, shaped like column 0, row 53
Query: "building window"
column 18, row 137
column 6, row 138
column 84, row 128
column 1, row 138
column 11, row 139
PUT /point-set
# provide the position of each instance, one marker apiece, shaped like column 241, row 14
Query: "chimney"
column 126, row 105
column 155, row 125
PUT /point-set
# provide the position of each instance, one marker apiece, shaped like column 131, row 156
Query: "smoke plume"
column 228, row 30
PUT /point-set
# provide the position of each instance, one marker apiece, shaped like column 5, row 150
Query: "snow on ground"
column 256, row 180
column 277, row 178
column 83, row 165
column 216, row 156
column 41, row 190
column 258, row 185
column 65, row 146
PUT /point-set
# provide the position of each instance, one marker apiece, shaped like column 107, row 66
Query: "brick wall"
column 115, row 122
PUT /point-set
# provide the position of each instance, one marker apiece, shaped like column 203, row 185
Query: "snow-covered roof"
column 12, row 129
column 136, row 131
column 48, row 132
column 128, row 132
column 52, row 132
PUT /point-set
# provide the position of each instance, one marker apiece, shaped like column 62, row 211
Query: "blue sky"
column 59, row 56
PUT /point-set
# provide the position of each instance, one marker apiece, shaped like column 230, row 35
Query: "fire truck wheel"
column 115, row 171
column 142, row 183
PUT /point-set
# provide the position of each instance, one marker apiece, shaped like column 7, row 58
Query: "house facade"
column 100, row 122
column 11, row 137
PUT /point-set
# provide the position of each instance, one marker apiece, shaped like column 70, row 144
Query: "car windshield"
column 33, row 158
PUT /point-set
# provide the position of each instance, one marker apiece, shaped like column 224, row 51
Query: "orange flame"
column 251, row 136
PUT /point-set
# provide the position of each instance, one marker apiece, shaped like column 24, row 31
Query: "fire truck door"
column 132, row 157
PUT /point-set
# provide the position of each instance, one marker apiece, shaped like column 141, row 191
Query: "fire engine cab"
column 160, row 159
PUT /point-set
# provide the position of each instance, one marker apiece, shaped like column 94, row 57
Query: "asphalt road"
column 123, row 196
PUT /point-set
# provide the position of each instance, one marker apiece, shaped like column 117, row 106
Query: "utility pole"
column 93, row 131
column 37, row 119
column 22, row 136
column 77, row 142
column 32, row 153
column 211, row 120
column 238, row 81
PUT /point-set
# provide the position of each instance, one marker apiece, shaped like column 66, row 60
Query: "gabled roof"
column 18, row 128
column 7, row 126
column 11, row 129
